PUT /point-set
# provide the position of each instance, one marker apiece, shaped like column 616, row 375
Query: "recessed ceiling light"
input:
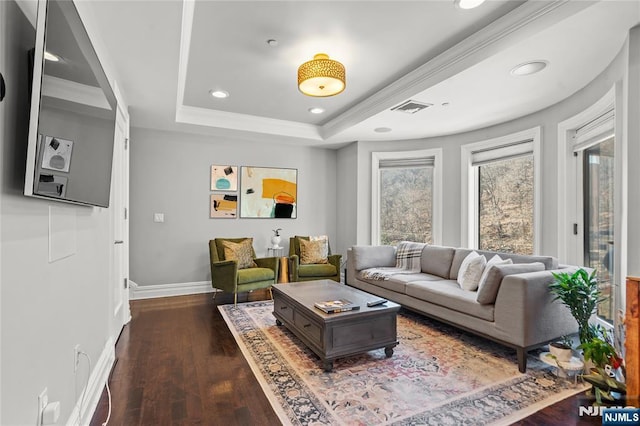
column 382, row 129
column 316, row 110
column 467, row 4
column 220, row 94
column 51, row 57
column 528, row 68
column 272, row 42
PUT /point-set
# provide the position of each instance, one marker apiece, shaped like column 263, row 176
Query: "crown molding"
column 522, row 22
column 245, row 122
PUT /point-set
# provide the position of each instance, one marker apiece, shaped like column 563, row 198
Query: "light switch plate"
column 158, row 217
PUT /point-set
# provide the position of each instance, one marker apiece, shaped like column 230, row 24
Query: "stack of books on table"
column 333, row 306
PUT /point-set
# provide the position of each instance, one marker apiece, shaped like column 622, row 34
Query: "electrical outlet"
column 76, row 357
column 43, row 400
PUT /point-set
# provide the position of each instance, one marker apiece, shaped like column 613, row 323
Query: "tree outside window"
column 406, row 204
column 505, row 213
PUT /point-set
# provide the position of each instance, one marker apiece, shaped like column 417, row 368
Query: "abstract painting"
column 268, row 192
column 223, row 206
column 224, row 178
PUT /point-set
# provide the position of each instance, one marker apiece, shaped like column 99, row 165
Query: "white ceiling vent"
column 410, row 107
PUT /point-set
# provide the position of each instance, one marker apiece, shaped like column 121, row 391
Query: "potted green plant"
column 562, row 349
column 606, row 361
column 580, row 293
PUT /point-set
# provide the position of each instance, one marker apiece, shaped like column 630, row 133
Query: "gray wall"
column 548, row 119
column 170, row 174
column 45, row 307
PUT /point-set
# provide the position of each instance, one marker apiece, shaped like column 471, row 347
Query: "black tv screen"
column 73, row 112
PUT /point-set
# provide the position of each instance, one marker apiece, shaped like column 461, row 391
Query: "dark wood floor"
column 178, row 364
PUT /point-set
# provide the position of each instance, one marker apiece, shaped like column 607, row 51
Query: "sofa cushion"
column 436, row 260
column 549, row 262
column 398, row 282
column 407, row 278
column 366, row 257
column 471, row 271
column 252, row 275
column 459, row 255
column 317, row 270
column 495, row 260
column 447, row 293
column 489, row 291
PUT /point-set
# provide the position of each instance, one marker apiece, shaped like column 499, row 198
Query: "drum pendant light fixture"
column 321, row 77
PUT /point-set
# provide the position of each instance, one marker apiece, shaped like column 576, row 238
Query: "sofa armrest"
column 335, row 260
column 272, row 263
column 526, row 312
column 294, row 264
column 224, row 275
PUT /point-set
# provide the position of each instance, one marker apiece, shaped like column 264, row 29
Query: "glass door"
column 598, row 197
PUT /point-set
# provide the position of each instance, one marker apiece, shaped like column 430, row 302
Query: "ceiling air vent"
column 410, row 107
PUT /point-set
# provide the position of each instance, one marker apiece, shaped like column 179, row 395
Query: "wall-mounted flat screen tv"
column 73, row 112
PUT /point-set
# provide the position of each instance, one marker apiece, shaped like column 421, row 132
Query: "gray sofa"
column 519, row 311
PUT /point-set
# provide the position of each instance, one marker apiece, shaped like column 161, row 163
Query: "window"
column 406, row 197
column 500, row 192
column 505, row 205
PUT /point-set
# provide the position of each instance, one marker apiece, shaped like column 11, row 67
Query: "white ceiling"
column 169, row 54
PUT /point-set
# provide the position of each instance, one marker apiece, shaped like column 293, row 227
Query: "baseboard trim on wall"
column 137, row 292
column 97, row 380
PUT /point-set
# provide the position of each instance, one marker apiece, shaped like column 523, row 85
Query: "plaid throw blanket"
column 408, row 256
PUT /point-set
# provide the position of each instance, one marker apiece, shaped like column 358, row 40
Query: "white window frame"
column 436, row 214
column 470, row 185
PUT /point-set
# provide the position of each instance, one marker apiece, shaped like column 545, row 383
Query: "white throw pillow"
column 495, row 260
column 471, row 271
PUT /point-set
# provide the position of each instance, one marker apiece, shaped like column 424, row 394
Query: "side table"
column 573, row 367
column 284, row 270
column 275, row 252
column 283, row 273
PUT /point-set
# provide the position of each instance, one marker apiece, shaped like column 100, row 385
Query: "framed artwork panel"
column 223, row 206
column 267, row 192
column 224, row 178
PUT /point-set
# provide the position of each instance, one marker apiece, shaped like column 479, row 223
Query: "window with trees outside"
column 505, row 205
column 501, row 189
column 404, row 197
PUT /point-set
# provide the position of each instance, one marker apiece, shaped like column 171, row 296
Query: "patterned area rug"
column 438, row 375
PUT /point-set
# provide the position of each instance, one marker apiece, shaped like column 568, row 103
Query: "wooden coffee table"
column 335, row 335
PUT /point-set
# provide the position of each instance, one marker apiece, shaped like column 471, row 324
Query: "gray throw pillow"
column 366, row 257
column 489, row 291
column 436, row 260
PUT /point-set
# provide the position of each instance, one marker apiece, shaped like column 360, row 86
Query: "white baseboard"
column 97, row 380
column 167, row 290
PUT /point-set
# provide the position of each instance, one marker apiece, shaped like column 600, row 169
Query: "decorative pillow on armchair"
column 313, row 251
column 241, row 252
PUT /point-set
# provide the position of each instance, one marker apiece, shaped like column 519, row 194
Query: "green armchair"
column 228, row 277
column 316, row 271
